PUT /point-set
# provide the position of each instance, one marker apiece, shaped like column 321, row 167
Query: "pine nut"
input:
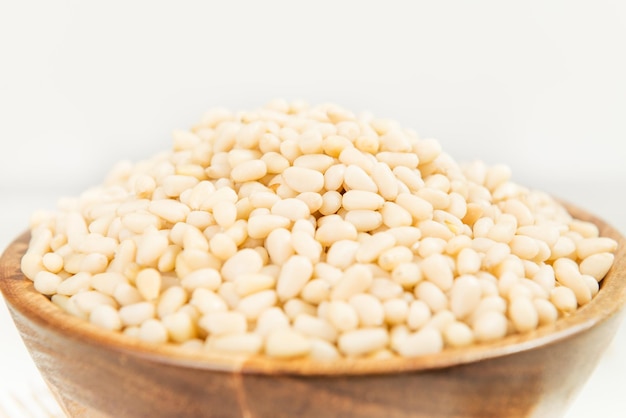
column 309, row 231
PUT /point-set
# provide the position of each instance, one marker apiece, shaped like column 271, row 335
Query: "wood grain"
column 101, row 374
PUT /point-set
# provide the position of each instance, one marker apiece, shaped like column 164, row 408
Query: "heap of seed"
column 298, row 231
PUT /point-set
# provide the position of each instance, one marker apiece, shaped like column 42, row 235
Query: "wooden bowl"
column 95, row 373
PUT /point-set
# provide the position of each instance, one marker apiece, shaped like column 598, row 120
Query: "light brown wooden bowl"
column 95, row 373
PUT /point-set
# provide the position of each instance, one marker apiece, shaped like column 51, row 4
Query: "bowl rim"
column 22, row 299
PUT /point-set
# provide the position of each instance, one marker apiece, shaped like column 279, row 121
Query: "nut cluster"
column 298, row 231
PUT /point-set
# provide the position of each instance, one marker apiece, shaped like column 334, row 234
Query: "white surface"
column 537, row 85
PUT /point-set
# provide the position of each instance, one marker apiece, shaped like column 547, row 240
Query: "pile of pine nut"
column 309, row 231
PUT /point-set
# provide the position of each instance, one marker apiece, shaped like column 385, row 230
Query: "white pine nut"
column 352, row 156
column 356, row 279
column 385, row 181
column 169, row 210
column 364, row 220
column 222, row 246
column 151, row 246
column 396, row 159
column 409, row 177
column 137, row 313
column 585, row 229
column 47, row 283
column 303, row 179
column 432, row 295
column 545, row 233
column 423, row 342
column 261, row 225
column 384, row 289
column 138, row 222
column 331, row 202
column 389, row 259
column 396, row 311
column 253, row 305
column 246, row 261
column 564, row 299
column 316, row 291
column 523, row 314
column 341, row 254
column 93, row 263
column 524, row 247
column 284, row 343
column 323, row 350
column 179, row 326
column 172, row 299
column 334, row 177
column 458, row 334
column 489, row 326
column 355, row 178
column 174, row 185
column 589, row 246
column 312, row 326
column 245, row 343
column 31, row 264
column 546, row 311
column 440, row 320
column 107, row 317
column 126, row 294
column 437, row 269
column 363, row 341
column 294, row 275
column 359, row 199
column 371, row 249
column 368, row 308
column 304, row 244
column 248, row 171
column 564, row 247
column 465, row 295
column 592, row 284
column 407, row 274
column 148, row 282
column 206, row 301
column 342, row 316
column 316, row 162
column 206, row 278
column 431, row 246
column 597, row 265
column 74, row 284
column 291, row 208
column 96, row 243
column 420, row 209
column 225, row 214
column 567, row 273
column 152, row 331
column 248, row 284
column 262, row 199
column 278, row 245
column 419, row 315
column 395, row 215
column 437, row 198
column 222, row 323
column 312, row 200
column 107, row 282
column 406, row 236
column 270, row 320
column 331, row 232
column 328, row 273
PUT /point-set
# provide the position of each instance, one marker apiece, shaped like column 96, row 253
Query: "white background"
column 537, row 85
